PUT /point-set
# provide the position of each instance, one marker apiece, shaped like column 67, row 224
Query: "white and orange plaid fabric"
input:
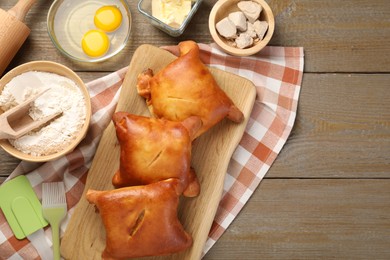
column 277, row 74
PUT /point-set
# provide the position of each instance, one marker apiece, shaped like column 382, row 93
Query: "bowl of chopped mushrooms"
column 241, row 27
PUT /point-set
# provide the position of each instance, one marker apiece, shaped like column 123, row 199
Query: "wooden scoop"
column 16, row 122
column 13, row 32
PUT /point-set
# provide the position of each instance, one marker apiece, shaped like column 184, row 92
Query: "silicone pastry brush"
column 54, row 210
column 23, row 211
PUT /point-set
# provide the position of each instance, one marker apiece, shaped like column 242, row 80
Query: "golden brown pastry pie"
column 141, row 220
column 155, row 149
column 186, row 88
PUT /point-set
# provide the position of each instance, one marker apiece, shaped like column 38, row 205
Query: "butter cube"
column 171, row 12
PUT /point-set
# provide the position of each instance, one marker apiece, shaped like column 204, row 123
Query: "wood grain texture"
column 338, row 36
column 85, row 234
column 311, row 219
column 341, row 130
column 8, row 164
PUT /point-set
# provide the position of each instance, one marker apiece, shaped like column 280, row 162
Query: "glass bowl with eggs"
column 89, row 31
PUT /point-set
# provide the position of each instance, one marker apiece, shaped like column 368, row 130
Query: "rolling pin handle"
column 21, row 8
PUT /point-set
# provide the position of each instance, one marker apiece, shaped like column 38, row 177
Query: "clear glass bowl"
column 145, row 8
column 69, row 20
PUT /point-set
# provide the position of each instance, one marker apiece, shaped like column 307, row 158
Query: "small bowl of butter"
column 170, row 16
column 89, row 31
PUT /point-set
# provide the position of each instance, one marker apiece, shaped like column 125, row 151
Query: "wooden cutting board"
column 85, row 234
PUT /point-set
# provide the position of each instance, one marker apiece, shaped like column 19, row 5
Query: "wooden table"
column 328, row 193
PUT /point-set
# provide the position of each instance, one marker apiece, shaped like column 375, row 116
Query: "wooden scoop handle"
column 21, row 8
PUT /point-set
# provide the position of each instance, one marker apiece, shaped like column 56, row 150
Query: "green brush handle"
column 54, row 216
column 55, row 231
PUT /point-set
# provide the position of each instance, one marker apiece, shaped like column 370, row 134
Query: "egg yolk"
column 108, row 18
column 95, row 43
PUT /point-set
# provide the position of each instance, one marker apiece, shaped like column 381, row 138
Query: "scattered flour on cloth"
column 63, row 95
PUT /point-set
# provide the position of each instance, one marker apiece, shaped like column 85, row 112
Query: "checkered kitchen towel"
column 277, row 74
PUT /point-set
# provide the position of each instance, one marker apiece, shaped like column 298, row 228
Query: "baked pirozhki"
column 153, row 149
column 187, row 88
column 141, row 220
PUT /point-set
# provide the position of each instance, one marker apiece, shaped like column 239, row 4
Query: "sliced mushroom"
column 251, row 30
column 261, row 28
column 244, row 40
column 226, row 28
column 250, row 9
column 239, row 19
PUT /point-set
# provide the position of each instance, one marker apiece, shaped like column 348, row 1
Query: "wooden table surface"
column 328, row 193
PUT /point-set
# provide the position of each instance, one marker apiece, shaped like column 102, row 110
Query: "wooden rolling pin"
column 13, row 32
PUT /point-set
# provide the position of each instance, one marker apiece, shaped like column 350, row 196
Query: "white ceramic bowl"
column 222, row 9
column 56, row 68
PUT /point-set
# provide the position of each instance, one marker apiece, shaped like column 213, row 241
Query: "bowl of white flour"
column 66, row 94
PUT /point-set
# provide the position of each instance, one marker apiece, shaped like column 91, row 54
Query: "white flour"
column 63, row 95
